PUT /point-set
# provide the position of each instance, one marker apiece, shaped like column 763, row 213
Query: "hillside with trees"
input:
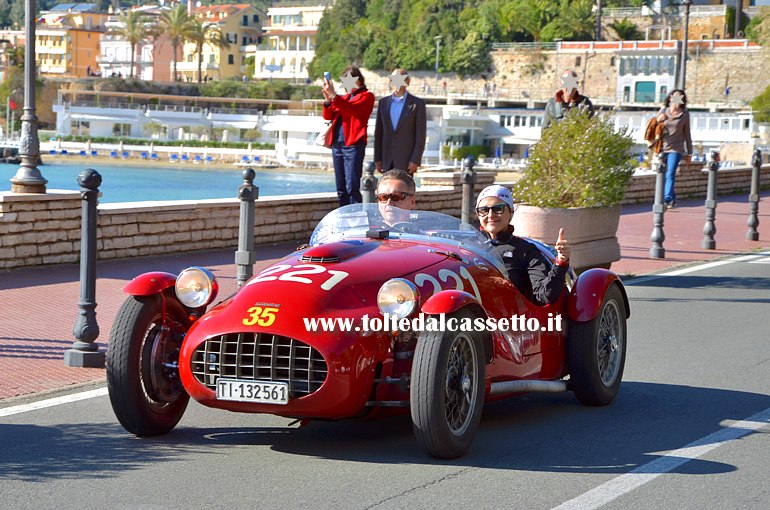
column 384, row 34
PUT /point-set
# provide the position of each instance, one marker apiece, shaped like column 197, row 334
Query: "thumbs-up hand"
column 562, row 247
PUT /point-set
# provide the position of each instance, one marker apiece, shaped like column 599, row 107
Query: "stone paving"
column 39, row 305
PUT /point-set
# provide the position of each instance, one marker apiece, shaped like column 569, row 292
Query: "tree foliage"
column 627, row 30
column 761, row 106
column 384, row 34
column 580, row 161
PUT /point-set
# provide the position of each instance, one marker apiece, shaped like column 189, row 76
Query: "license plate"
column 259, row 392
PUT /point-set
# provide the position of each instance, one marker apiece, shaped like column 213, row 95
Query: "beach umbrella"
column 88, row 146
column 120, row 146
column 224, row 136
column 249, row 149
column 152, row 147
column 181, row 133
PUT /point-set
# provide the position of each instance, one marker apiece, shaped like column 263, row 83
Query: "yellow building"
column 241, row 26
column 67, row 39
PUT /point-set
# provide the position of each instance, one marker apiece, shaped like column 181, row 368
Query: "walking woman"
column 677, row 142
column 349, row 114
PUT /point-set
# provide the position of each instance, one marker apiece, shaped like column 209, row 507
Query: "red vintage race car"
column 369, row 319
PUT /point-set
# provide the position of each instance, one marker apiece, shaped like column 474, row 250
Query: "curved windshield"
column 353, row 221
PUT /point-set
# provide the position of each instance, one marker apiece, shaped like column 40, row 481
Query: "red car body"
column 352, row 374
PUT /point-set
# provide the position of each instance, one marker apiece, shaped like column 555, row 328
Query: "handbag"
column 324, row 135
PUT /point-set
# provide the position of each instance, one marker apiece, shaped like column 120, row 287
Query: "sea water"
column 133, row 183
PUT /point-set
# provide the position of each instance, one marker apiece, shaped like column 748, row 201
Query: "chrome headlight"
column 398, row 297
column 196, row 287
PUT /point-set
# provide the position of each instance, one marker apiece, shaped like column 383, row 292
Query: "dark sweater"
column 528, row 269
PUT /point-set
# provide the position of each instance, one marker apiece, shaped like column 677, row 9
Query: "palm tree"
column 176, row 25
column 201, row 33
column 134, row 28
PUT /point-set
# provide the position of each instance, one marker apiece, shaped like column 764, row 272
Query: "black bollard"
column 657, row 251
column 469, row 182
column 756, row 162
column 368, row 184
column 85, row 352
column 245, row 256
column 709, row 229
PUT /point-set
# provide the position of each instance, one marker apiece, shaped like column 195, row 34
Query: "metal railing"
column 524, row 46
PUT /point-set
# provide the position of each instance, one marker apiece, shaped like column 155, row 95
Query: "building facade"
column 289, row 42
column 241, row 27
column 152, row 57
column 67, row 39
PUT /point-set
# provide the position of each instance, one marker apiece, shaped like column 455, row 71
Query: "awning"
column 518, row 140
column 234, row 124
column 89, row 117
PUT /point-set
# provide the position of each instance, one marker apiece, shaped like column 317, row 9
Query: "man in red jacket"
column 349, row 114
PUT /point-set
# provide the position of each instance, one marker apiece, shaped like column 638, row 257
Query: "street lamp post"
column 683, row 63
column 438, row 45
column 28, row 178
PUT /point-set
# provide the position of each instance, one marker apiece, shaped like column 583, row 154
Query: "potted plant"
column 575, row 178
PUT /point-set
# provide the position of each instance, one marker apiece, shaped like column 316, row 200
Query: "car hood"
column 338, row 279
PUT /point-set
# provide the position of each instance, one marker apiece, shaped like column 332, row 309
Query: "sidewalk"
column 39, row 306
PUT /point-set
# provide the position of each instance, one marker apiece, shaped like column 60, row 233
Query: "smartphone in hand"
column 327, row 76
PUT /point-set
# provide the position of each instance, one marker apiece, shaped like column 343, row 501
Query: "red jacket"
column 355, row 115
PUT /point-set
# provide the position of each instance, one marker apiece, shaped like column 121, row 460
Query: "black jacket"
column 528, row 269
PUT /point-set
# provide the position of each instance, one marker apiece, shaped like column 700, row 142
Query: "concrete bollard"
column 369, row 184
column 245, row 256
column 469, row 182
column 658, row 207
column 756, row 163
column 85, row 352
column 709, row 229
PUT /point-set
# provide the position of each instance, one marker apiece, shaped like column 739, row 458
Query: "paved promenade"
column 39, row 306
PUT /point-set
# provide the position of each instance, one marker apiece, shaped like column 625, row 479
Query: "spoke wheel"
column 447, row 390
column 597, row 352
column 142, row 373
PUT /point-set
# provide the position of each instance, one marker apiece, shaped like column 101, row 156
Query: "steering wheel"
column 406, row 227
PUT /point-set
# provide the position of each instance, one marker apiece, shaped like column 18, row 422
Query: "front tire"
column 597, row 352
column 144, row 388
column 447, row 390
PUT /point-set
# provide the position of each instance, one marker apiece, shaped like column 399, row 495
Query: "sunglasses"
column 397, row 196
column 496, row 209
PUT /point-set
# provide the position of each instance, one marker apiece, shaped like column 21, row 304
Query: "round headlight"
column 398, row 297
column 196, row 287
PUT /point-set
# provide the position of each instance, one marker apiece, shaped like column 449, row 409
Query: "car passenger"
column 396, row 196
column 527, row 266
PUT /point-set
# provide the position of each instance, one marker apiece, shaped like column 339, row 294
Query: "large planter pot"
column 591, row 231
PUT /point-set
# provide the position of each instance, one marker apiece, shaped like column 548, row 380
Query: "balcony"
column 193, row 66
column 107, row 60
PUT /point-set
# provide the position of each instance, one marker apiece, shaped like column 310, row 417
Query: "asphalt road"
column 689, row 429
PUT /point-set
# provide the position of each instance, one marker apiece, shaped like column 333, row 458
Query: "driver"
column 527, row 266
column 395, row 196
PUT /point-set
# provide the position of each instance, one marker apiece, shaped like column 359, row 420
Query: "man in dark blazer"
column 399, row 134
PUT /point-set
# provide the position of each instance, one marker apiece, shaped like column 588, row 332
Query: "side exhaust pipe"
column 528, row 386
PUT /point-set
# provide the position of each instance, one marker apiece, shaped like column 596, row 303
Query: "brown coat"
column 653, row 134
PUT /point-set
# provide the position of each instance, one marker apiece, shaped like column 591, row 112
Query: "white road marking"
column 623, row 484
column 42, row 404
column 699, row 267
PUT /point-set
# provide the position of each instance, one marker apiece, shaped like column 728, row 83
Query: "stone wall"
column 692, row 180
column 45, row 229
column 39, row 230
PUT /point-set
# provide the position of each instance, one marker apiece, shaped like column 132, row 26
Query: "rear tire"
column 447, row 390
column 145, row 393
column 597, row 352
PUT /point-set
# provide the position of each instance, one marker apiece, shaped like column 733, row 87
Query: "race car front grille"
column 262, row 357
column 320, row 260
